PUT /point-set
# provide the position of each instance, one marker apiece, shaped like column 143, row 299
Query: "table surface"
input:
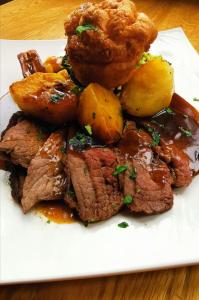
column 43, row 19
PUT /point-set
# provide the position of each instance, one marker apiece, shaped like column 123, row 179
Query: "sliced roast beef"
column 15, row 118
column 46, row 179
column 30, row 63
column 147, row 179
column 97, row 191
column 179, row 143
column 22, row 141
column 16, row 179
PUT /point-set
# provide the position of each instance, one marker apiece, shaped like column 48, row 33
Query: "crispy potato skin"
column 101, row 109
column 33, row 96
column 149, row 90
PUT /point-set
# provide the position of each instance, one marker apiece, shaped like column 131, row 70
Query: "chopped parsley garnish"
column 123, row 225
column 169, row 111
column 80, row 141
column 156, row 138
column 55, row 98
column 155, row 135
column 146, row 57
column 81, row 28
column 133, row 174
column 63, row 149
column 157, row 123
column 77, row 89
column 40, row 135
column 65, row 65
column 94, row 115
column 128, row 199
column 48, row 222
column 195, row 99
column 119, row 169
column 88, row 129
column 71, row 194
column 185, row 131
column 148, row 128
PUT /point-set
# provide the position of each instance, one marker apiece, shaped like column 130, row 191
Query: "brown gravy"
column 55, row 211
column 180, row 129
column 136, row 144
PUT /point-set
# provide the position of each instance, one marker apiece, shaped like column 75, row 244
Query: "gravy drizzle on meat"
column 85, row 178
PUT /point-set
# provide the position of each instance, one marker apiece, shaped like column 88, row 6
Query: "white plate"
column 33, row 250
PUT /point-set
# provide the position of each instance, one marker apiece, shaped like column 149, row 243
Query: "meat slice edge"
column 21, row 140
column 97, row 190
column 46, row 179
column 150, row 187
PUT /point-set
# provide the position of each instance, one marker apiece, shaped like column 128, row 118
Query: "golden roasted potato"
column 150, row 89
column 47, row 96
column 101, row 109
column 53, row 64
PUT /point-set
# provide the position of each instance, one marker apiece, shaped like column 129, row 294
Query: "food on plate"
column 106, row 40
column 97, row 191
column 96, row 149
column 45, row 178
column 101, row 109
column 150, row 88
column 147, row 180
column 53, row 64
column 30, row 63
column 47, row 96
column 182, row 154
column 21, row 140
column 96, row 180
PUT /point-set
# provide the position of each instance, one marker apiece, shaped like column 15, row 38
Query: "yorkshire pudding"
column 106, row 40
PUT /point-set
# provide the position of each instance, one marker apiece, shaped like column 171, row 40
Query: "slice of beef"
column 147, row 179
column 46, row 179
column 30, row 63
column 16, row 179
column 70, row 197
column 21, row 140
column 97, row 191
column 15, row 118
column 179, row 143
column 178, row 162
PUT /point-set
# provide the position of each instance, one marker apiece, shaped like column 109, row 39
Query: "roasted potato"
column 47, row 96
column 150, row 89
column 101, row 109
column 53, row 64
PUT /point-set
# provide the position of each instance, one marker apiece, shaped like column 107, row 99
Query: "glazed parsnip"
column 47, row 96
column 150, row 88
column 101, row 109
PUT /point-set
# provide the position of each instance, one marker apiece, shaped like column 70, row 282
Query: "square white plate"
column 32, row 250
